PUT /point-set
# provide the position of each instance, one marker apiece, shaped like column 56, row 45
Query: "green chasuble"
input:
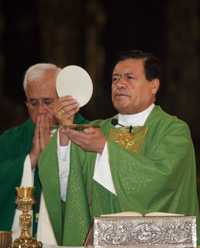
column 70, row 220
column 15, row 144
column 152, row 170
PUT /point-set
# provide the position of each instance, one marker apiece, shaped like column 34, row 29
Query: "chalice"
column 24, row 202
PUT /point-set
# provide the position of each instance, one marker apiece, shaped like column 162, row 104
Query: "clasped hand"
column 40, row 139
column 62, row 111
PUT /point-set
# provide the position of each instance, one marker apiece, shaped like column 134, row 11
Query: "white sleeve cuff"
column 102, row 172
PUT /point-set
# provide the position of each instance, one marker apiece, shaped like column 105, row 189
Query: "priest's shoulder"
column 25, row 127
column 167, row 120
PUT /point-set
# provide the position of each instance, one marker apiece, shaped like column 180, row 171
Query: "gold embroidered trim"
column 131, row 141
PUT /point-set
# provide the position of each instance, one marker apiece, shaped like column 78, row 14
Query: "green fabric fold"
column 159, row 177
column 70, row 220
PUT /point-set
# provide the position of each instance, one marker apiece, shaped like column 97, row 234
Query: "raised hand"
column 65, row 109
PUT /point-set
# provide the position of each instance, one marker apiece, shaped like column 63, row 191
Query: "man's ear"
column 155, row 84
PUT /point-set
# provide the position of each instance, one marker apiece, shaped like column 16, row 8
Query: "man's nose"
column 121, row 82
column 41, row 108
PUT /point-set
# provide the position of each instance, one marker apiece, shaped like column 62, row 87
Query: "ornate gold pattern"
column 130, row 139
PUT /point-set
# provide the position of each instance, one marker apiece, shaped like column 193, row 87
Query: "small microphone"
column 115, row 122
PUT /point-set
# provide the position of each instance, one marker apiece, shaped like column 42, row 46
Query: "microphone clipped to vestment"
column 115, row 122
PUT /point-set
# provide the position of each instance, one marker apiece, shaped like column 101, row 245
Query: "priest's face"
column 131, row 91
column 40, row 94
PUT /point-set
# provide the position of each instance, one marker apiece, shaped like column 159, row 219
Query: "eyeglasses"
column 35, row 103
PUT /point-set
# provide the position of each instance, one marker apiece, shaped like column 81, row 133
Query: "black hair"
column 152, row 66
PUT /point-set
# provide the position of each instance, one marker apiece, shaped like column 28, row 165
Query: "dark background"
column 89, row 33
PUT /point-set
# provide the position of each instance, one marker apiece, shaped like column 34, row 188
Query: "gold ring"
column 61, row 113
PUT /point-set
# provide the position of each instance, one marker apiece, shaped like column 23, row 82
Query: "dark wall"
column 21, row 45
column 71, row 32
column 133, row 25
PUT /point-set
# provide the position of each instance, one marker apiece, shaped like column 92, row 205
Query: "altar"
column 144, row 232
column 54, row 246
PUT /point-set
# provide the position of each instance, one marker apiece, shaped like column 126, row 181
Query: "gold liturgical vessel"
column 24, row 203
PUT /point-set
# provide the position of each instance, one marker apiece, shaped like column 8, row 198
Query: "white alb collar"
column 135, row 119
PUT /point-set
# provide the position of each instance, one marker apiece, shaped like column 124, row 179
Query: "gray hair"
column 36, row 71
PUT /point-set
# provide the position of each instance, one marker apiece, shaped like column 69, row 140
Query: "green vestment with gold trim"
column 153, row 170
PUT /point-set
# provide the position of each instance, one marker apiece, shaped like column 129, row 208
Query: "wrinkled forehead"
column 42, row 76
column 39, row 89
